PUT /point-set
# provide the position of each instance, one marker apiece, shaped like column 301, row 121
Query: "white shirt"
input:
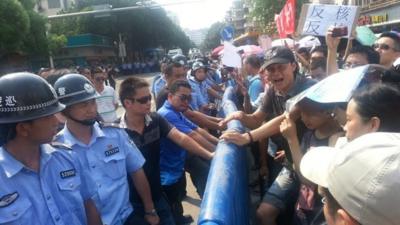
column 106, row 102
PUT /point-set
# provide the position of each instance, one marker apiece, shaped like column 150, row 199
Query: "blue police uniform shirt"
column 158, row 85
column 199, row 93
column 109, row 157
column 172, row 156
column 255, row 88
column 54, row 195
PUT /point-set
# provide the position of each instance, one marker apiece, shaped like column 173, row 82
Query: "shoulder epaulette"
column 59, row 145
column 106, row 124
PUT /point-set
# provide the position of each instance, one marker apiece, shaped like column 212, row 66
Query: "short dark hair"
column 169, row 68
column 371, row 55
column 317, row 63
column 394, row 36
column 320, row 48
column 97, row 69
column 178, row 84
column 129, row 86
column 7, row 132
column 304, row 50
column 382, row 101
column 53, row 75
column 254, row 61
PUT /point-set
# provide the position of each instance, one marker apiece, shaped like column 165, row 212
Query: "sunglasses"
column 142, row 100
column 382, row 46
column 185, row 97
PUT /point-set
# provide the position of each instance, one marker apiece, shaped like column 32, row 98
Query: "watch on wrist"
column 152, row 212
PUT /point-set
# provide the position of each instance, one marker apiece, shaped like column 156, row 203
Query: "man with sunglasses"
column 146, row 129
column 173, row 156
column 107, row 101
column 388, row 47
column 175, row 71
column 105, row 151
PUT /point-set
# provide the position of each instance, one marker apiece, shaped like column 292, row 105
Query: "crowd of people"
column 67, row 157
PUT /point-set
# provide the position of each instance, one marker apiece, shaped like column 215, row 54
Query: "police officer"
column 104, row 150
column 40, row 184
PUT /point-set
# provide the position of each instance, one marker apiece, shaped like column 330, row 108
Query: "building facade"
column 52, row 7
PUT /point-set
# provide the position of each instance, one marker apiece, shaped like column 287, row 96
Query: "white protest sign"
column 230, row 57
column 315, row 19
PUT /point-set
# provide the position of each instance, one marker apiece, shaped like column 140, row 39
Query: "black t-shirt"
column 162, row 97
column 149, row 145
column 274, row 105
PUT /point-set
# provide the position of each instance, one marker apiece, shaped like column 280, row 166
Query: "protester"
column 358, row 55
column 255, row 86
column 318, row 69
column 324, row 131
column 105, row 151
column 388, row 47
column 146, row 129
column 371, row 109
column 360, row 181
column 41, row 183
column 282, row 71
column 107, row 101
column 172, row 158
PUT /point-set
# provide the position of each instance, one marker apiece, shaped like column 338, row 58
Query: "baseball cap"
column 363, row 176
column 278, row 55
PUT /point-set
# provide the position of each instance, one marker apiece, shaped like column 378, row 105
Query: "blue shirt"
column 255, row 88
column 158, row 84
column 54, row 195
column 172, row 156
column 199, row 93
column 109, row 157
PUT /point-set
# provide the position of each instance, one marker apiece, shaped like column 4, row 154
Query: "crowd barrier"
column 225, row 201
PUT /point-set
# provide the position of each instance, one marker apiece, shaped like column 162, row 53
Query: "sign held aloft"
column 315, row 19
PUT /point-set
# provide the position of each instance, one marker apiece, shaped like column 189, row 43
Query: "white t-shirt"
column 106, row 102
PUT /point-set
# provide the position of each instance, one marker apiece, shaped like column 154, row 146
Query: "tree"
column 14, row 25
column 23, row 30
column 265, row 10
column 213, row 37
column 141, row 28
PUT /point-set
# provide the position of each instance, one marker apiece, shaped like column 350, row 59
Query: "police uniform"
column 109, row 157
column 54, row 195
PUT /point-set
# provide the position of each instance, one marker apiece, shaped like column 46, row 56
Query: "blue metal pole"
column 225, row 201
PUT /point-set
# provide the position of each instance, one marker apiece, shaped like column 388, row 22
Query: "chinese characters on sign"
column 319, row 17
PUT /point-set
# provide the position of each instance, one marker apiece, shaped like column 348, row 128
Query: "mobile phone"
column 340, row 31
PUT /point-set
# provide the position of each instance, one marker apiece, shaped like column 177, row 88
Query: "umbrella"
column 283, row 42
column 339, row 87
column 215, row 52
column 250, row 50
column 308, row 42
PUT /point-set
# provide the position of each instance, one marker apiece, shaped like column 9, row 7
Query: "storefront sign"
column 367, row 20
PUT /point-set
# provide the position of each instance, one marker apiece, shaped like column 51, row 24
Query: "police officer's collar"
column 12, row 166
column 123, row 123
column 70, row 139
column 192, row 78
